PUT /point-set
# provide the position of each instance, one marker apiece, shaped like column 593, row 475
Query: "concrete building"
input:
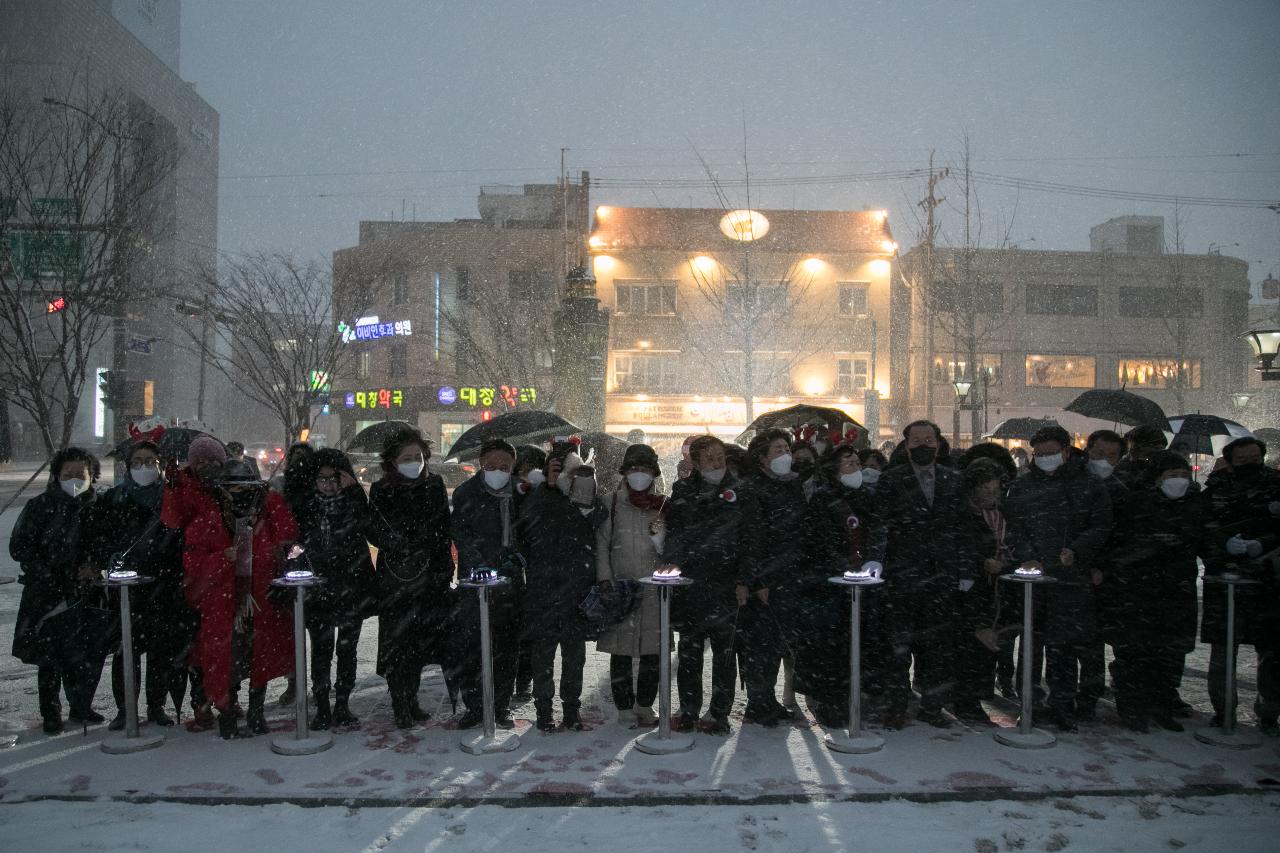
column 451, row 322
column 133, row 48
column 718, row 317
column 1042, row 326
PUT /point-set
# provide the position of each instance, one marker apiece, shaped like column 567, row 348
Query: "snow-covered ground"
column 780, row 789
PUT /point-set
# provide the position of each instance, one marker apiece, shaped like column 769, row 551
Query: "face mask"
column 1175, row 487
column 144, row 476
column 870, row 476
column 1101, row 468
column 781, row 464
column 639, row 481
column 209, row 475
column 536, row 477
column 714, row 475
column 1251, row 469
column 1049, row 464
column 75, row 487
column 923, row 455
column 411, row 470
column 497, row 480
column 852, row 481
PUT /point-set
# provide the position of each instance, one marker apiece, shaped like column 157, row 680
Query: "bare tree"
column 1181, row 309
column 82, row 174
column 268, row 326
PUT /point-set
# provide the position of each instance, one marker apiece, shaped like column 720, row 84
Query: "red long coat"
column 210, row 583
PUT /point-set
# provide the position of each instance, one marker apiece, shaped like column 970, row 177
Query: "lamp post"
column 962, row 388
column 1240, row 400
column 1266, row 345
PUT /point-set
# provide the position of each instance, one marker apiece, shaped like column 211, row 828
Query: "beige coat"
column 624, row 549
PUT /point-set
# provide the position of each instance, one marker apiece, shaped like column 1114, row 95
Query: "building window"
column 543, row 357
column 399, row 290
column 397, row 360
column 1157, row 373
column 1161, row 302
column 1064, row 300
column 362, row 365
column 755, row 298
column 653, row 300
column 531, row 285
column 645, row 372
column 853, row 374
column 1061, row 371
column 983, row 298
column 853, row 298
column 950, row 369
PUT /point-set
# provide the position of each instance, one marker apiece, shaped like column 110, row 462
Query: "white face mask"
column 1049, row 464
column 639, row 481
column 144, row 476
column 75, row 487
column 852, row 481
column 1175, row 487
column 714, row 475
column 870, row 476
column 781, row 464
column 411, row 470
column 1101, row 468
column 497, row 480
column 536, row 477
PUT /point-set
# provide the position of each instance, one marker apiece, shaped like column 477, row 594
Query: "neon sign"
column 482, row 397
column 383, row 398
column 372, row 329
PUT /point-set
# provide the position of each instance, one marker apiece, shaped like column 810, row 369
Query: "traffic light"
column 56, row 305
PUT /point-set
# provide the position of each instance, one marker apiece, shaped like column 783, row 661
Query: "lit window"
column 650, row 371
column 1158, row 373
column 852, row 374
column 949, row 370
column 1061, row 371
column 853, row 298
column 653, row 300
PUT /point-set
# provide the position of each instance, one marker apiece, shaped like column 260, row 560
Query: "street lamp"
column 963, row 387
column 1266, row 344
column 1240, row 400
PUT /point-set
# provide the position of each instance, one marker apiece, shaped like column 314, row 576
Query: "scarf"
column 646, row 500
column 995, row 521
column 144, row 496
column 503, row 496
column 327, row 506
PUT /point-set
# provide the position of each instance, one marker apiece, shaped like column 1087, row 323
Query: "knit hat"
column 640, row 456
column 205, row 449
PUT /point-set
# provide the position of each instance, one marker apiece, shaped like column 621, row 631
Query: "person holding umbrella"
column 125, row 528
column 331, row 529
column 629, row 547
column 46, row 543
column 530, row 460
column 485, row 510
column 1144, row 442
column 557, row 533
column 409, row 524
column 235, row 532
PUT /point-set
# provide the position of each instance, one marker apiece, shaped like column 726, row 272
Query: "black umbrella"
column 519, row 427
column 1119, row 406
column 371, row 439
column 1194, row 433
column 1268, row 436
column 174, row 444
column 1020, row 428
column 800, row 415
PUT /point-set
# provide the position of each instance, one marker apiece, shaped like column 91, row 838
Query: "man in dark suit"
column 909, row 541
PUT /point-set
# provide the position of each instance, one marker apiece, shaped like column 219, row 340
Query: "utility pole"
column 930, row 203
column 564, row 216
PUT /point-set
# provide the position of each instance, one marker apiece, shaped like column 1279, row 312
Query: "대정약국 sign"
column 474, row 396
column 382, row 398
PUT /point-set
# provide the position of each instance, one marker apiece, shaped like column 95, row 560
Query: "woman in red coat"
column 235, row 532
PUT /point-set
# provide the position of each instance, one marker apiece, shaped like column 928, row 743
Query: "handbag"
column 611, row 602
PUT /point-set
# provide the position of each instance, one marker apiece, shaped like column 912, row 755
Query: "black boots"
column 324, row 717
column 256, row 718
column 227, row 728
column 342, row 715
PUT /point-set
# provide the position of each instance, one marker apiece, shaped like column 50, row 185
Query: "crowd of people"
column 1120, row 525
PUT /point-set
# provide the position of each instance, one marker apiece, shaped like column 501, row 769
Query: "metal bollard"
column 490, row 740
column 662, row 741
column 1027, row 736
column 1229, row 735
column 132, row 740
column 303, row 741
column 853, row 739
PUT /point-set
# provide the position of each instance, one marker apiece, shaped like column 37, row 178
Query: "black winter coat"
column 982, row 599
column 706, row 538
column 559, row 542
column 333, row 535
column 46, row 545
column 409, row 524
column 1148, row 593
column 780, row 532
column 476, row 527
column 1248, row 507
column 116, row 523
column 1049, row 512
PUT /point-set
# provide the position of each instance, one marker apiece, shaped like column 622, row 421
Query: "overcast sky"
column 333, row 112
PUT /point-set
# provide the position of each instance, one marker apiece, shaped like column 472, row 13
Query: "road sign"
column 142, row 346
